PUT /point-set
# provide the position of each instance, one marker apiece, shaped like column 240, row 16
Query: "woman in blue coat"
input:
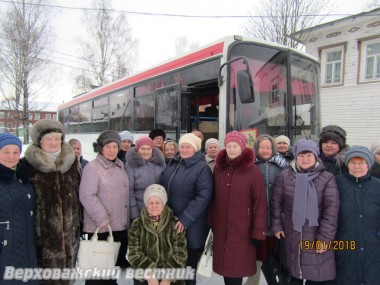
column 357, row 241
column 189, row 183
column 17, row 232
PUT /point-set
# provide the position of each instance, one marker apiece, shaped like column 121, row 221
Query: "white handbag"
column 98, row 253
column 205, row 262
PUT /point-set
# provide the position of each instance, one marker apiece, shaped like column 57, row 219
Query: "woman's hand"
column 165, row 282
column 322, row 250
column 153, row 281
column 279, row 234
column 179, row 227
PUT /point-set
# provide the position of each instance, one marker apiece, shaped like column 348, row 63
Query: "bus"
column 235, row 83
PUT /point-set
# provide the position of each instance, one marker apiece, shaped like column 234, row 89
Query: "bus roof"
column 211, row 50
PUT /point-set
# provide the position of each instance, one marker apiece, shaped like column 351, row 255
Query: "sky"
column 156, row 34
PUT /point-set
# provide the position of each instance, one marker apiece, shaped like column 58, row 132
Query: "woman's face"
column 265, row 149
column 51, row 142
column 169, row 151
column 233, row 150
column 154, row 206
column 306, row 160
column 158, row 141
column 282, row 147
column 110, row 150
column 145, row 151
column 9, row 155
column 377, row 157
column 186, row 150
column 125, row 145
column 212, row 150
column 330, row 148
column 357, row 167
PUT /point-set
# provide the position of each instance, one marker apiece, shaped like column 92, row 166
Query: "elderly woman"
column 153, row 240
column 145, row 164
column 127, row 141
column 55, row 175
column 17, row 204
column 238, row 211
column 357, row 240
column 104, row 193
column 188, row 181
column 305, row 209
column 283, row 147
column 375, row 170
column 332, row 147
column 170, row 150
column 212, row 147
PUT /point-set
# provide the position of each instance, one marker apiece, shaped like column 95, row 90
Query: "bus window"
column 100, row 115
column 121, row 110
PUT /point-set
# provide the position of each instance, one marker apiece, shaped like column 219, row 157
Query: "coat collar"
column 107, row 163
column 135, row 160
column 241, row 163
column 39, row 160
column 163, row 223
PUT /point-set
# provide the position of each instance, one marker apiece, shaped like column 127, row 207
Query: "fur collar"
column 241, row 163
column 40, row 161
column 165, row 219
column 134, row 160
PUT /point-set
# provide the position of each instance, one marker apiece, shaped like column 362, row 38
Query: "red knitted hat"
column 237, row 137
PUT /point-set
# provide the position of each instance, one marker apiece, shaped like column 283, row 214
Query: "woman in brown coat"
column 238, row 211
column 305, row 210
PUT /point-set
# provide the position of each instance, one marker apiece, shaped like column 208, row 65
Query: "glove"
column 256, row 242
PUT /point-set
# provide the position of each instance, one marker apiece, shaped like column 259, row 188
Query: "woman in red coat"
column 238, row 210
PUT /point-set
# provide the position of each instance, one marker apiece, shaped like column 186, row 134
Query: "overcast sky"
column 156, row 34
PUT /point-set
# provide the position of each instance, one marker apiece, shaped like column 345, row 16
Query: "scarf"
column 53, row 155
column 155, row 220
column 305, row 204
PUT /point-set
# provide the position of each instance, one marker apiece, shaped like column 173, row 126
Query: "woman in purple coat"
column 238, row 212
column 305, row 210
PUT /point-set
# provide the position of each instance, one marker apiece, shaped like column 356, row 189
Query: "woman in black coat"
column 17, row 232
column 357, row 244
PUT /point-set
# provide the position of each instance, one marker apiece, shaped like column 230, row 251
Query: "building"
column 349, row 53
column 40, row 110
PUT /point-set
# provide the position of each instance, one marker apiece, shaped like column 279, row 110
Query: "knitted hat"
column 335, row 133
column 106, row 137
column 305, row 145
column 143, row 141
column 155, row 190
column 360, row 151
column 125, row 135
column 157, row 132
column 375, row 147
column 283, row 139
column 7, row 139
column 212, row 141
column 191, row 139
column 237, row 137
column 46, row 126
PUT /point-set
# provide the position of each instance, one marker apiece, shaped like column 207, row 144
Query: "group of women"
column 162, row 201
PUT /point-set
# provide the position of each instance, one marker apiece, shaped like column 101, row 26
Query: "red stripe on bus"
column 172, row 65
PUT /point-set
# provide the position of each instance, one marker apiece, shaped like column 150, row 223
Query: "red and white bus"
column 235, row 83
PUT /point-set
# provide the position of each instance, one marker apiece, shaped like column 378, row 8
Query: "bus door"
column 167, row 110
column 200, row 108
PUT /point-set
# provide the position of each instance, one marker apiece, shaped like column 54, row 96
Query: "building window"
column 370, row 60
column 47, row 116
column 332, row 65
column 37, row 116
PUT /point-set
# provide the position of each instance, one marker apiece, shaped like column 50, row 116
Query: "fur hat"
column 305, row 145
column 212, row 141
column 283, row 139
column 126, row 135
column 157, row 132
column 43, row 127
column 237, row 137
column 106, row 137
column 7, row 139
column 362, row 152
column 375, row 147
column 155, row 190
column 335, row 133
column 143, row 141
column 191, row 139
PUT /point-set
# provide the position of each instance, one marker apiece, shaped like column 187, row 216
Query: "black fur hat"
column 335, row 133
column 106, row 137
column 157, row 132
column 45, row 126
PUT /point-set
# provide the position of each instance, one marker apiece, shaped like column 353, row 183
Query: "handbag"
column 98, row 253
column 274, row 269
column 205, row 262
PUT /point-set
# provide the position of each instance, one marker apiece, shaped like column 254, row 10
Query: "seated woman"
column 153, row 240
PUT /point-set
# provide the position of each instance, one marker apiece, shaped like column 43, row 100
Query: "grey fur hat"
column 335, row 133
column 106, row 137
column 45, row 126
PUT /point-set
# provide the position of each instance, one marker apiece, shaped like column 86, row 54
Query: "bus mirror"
column 245, row 87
